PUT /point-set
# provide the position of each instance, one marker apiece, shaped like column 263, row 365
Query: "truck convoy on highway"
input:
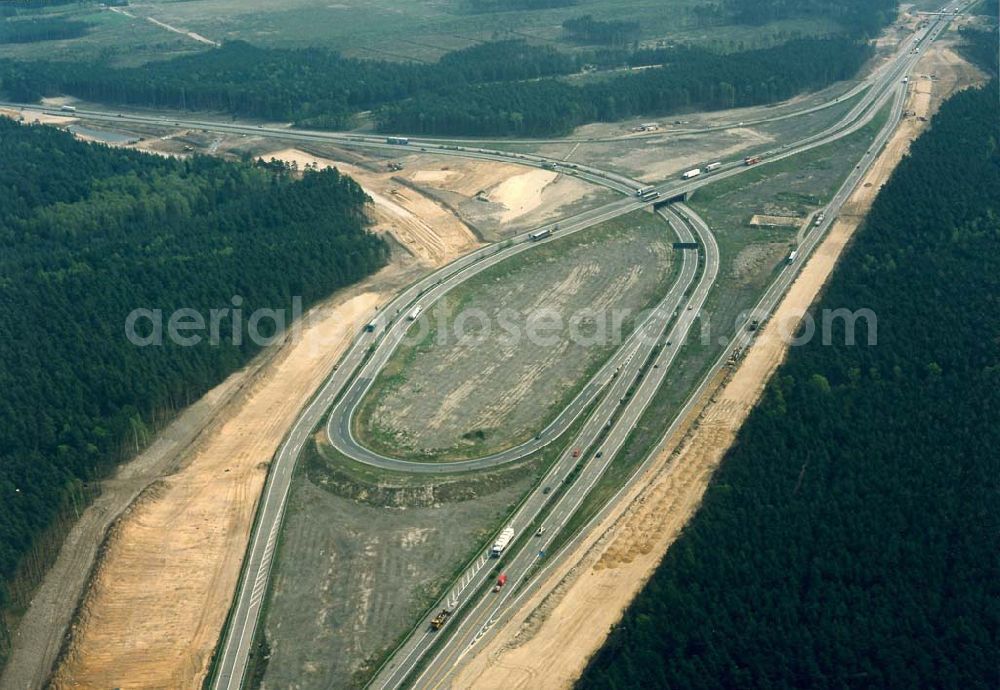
column 438, row 621
column 414, row 313
column 647, row 193
column 691, row 174
column 502, row 542
column 501, row 581
column 401, row 141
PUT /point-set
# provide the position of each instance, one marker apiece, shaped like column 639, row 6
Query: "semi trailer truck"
column 503, row 541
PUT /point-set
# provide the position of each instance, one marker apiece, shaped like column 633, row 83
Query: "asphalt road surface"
column 417, row 662
column 481, row 613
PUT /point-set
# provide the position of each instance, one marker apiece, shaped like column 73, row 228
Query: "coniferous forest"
column 501, row 88
column 88, row 234
column 851, row 537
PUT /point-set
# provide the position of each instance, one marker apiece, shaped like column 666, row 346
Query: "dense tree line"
column 586, row 29
column 310, row 86
column 87, row 235
column 482, row 6
column 501, row 88
column 691, row 78
column 858, row 17
column 980, row 47
column 850, row 538
column 48, row 29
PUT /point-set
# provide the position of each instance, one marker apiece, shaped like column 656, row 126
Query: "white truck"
column 414, row 313
column 713, row 166
column 540, row 234
column 503, row 541
column 691, row 174
column 68, row 109
column 647, row 193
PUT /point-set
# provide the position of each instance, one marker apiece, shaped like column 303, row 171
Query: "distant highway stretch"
column 642, row 364
column 461, row 147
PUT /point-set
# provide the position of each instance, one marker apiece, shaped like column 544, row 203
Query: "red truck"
column 750, row 160
column 501, row 581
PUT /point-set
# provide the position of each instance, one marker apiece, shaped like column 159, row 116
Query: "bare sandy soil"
column 548, row 642
column 521, row 193
column 761, row 219
column 36, row 116
column 425, row 228
column 655, row 158
column 497, row 198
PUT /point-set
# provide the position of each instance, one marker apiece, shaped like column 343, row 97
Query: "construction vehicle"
column 439, row 620
column 751, row 160
column 691, row 174
column 501, row 581
column 503, row 540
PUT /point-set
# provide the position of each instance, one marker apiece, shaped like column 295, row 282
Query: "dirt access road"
column 547, row 643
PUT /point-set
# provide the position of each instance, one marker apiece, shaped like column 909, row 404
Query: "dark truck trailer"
column 685, row 245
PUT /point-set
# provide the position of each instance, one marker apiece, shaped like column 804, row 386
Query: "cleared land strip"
column 160, row 592
column 548, row 642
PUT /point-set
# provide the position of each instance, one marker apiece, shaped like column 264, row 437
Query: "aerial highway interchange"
column 613, row 400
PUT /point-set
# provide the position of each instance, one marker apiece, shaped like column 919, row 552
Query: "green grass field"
column 386, row 29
